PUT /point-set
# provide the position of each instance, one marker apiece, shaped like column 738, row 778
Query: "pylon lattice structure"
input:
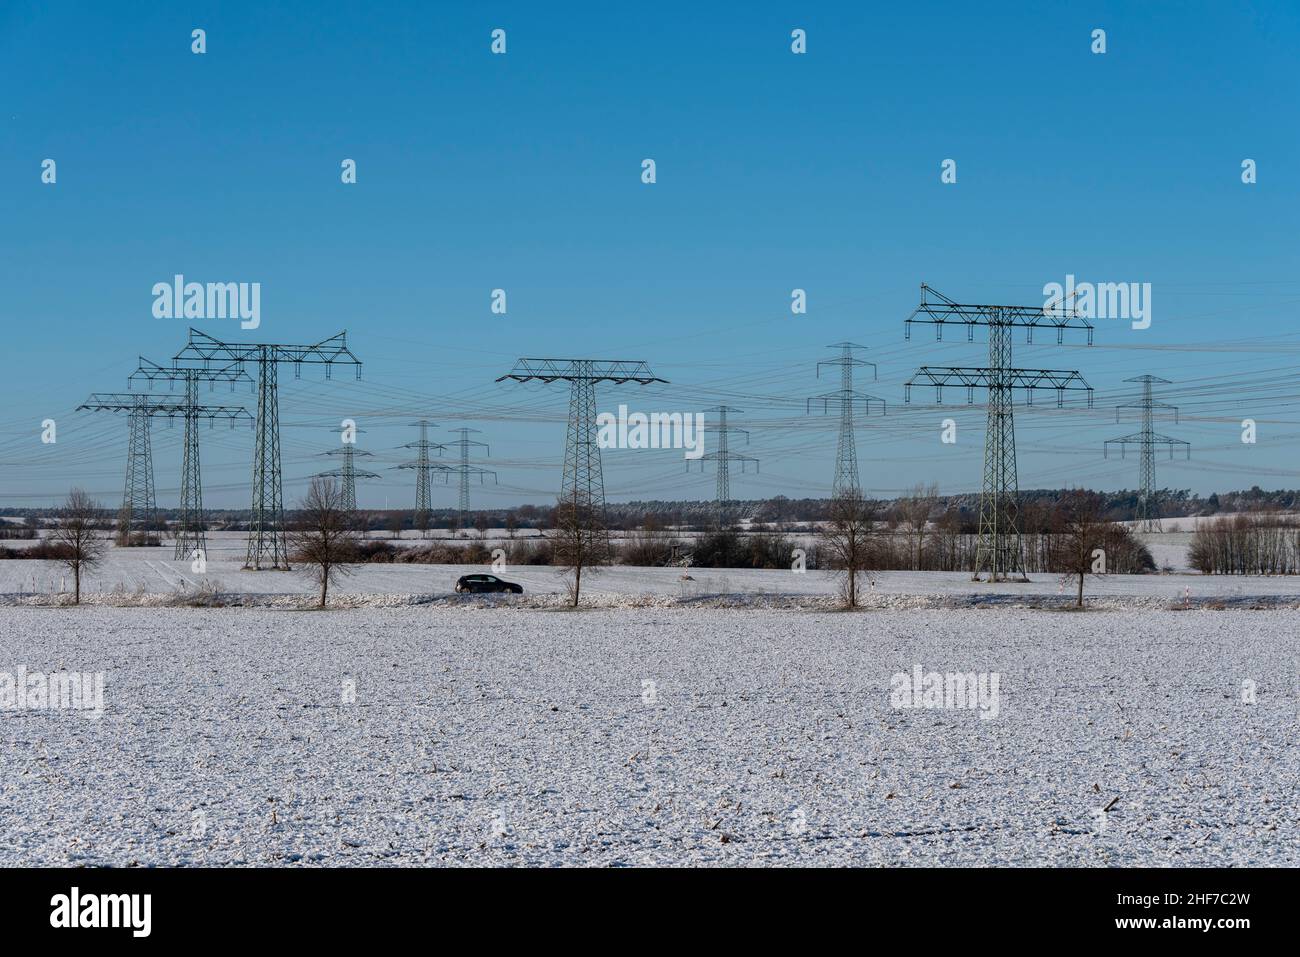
column 847, row 398
column 998, row 552
column 267, row 540
column 723, row 457
column 190, row 526
column 347, row 473
column 583, row 488
column 138, row 501
column 423, row 468
column 465, row 470
column 1148, row 513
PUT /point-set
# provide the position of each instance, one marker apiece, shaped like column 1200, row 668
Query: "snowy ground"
column 516, row 736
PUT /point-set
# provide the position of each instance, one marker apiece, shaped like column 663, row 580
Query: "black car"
column 482, row 583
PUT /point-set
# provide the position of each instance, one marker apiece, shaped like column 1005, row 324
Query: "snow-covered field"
column 651, row 736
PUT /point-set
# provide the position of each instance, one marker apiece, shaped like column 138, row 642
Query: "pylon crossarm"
column 587, row 370
column 1060, row 316
column 202, row 350
column 151, row 372
column 971, row 378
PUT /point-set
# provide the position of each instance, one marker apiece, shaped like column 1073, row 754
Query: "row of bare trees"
column 1081, row 541
column 1258, row 544
column 326, row 539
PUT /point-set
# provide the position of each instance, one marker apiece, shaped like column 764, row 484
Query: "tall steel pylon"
column 998, row 551
column 138, row 497
column 268, row 545
column 139, row 506
column 846, row 448
column 423, row 467
column 1148, row 513
column 583, row 488
column 465, row 470
column 190, row 526
column 724, row 457
column 347, row 473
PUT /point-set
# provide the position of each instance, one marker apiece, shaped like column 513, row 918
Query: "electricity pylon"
column 724, row 457
column 190, row 526
column 583, row 489
column 846, row 449
column 423, row 467
column 347, row 472
column 138, row 501
column 267, row 539
column 1148, row 512
column 998, row 551
column 465, row 470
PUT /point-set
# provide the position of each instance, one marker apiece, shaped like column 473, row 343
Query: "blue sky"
column 775, row 171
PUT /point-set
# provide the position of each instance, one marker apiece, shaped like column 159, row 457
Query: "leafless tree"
column 580, row 542
column 846, row 538
column 1080, row 531
column 482, row 524
column 122, row 536
column 324, row 537
column 77, row 536
column 512, row 524
column 914, row 511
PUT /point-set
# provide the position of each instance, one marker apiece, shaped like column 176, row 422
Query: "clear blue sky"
column 522, row 172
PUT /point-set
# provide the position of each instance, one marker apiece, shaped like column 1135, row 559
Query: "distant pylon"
column 423, row 467
column 138, row 503
column 583, row 489
column 465, row 470
column 138, row 496
column 1148, row 512
column 191, row 539
column 998, row 551
column 724, row 457
column 846, row 449
column 268, row 545
column 347, row 472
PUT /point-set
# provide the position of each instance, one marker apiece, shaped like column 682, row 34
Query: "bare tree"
column 1081, row 531
column 512, row 524
column 482, row 524
column 324, row 537
column 846, row 538
column 581, row 541
column 915, row 510
column 122, row 537
column 77, row 536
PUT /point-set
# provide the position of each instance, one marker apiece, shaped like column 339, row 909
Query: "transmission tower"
column 267, row 542
column 423, row 467
column 998, row 551
column 138, row 497
column 190, row 528
column 347, row 472
column 583, row 490
column 724, row 457
column 1148, row 513
column 465, row 470
column 846, row 450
